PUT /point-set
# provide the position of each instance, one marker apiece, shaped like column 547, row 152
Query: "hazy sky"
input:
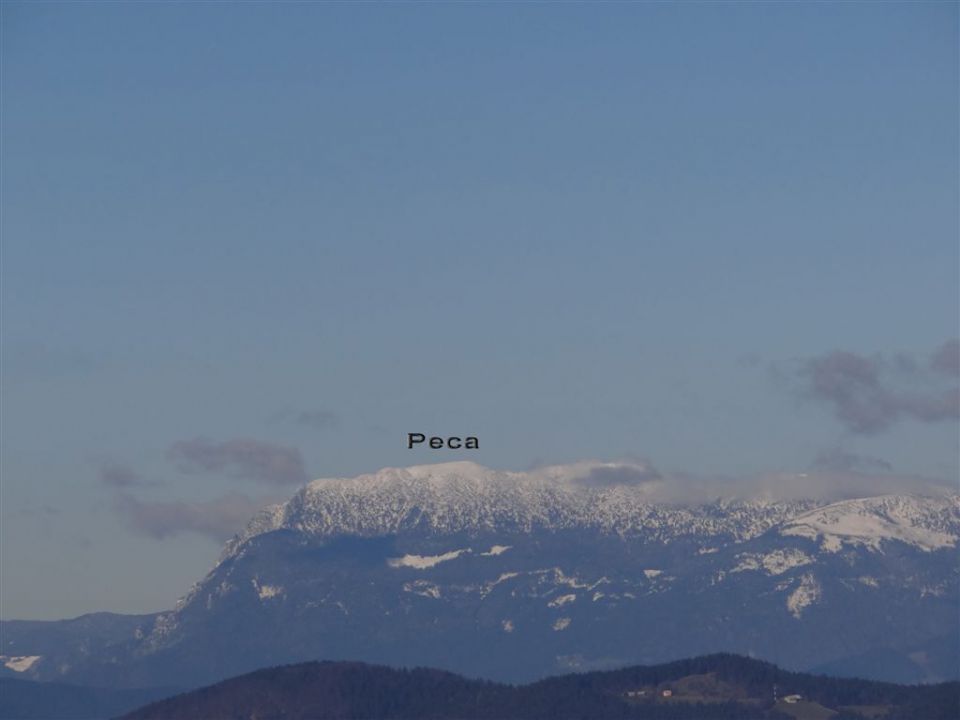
column 245, row 245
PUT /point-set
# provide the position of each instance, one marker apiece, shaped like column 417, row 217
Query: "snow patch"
column 652, row 573
column 562, row 600
column 19, row 663
column 774, row 563
column 573, row 582
column 831, row 543
column 559, row 578
column 266, row 591
column 423, row 588
column 491, row 585
column 561, row 624
column 164, row 626
column 496, row 550
column 868, row 581
column 807, row 593
column 871, row 521
column 422, row 562
column 507, row 626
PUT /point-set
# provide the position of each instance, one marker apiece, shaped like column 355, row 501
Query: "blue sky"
column 238, row 237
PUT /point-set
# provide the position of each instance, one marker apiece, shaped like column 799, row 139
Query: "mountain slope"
column 515, row 576
column 35, row 649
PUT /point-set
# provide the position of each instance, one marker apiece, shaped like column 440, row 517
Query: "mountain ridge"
column 574, row 567
column 621, row 498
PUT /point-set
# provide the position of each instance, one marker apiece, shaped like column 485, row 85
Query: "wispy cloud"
column 119, row 475
column 221, row 517
column 319, row 419
column 609, row 476
column 826, row 484
column 218, row 519
column 246, row 458
column 838, row 459
column 867, row 400
column 946, row 358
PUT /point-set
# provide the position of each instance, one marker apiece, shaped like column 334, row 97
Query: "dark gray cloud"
column 946, row 358
column 905, row 363
column 935, row 407
column 838, row 459
column 245, row 458
column 851, row 384
column 608, row 476
column 863, row 396
column 119, row 475
column 218, row 519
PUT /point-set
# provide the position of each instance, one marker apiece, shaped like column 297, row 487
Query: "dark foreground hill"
column 715, row 686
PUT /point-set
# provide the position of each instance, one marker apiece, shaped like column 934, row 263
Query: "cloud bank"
column 245, row 458
column 829, row 485
column 218, row 519
column 611, row 476
column 119, row 475
column 946, row 359
column 837, row 459
column 869, row 395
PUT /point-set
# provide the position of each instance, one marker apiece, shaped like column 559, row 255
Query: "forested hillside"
column 709, row 687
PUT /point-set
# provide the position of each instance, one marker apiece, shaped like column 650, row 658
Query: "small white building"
column 793, row 699
column 667, row 693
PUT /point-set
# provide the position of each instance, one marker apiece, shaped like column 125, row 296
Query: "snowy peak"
column 926, row 523
column 616, row 498
column 435, row 472
column 444, row 477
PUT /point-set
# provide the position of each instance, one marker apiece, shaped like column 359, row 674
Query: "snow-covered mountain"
column 618, row 498
column 517, row 575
